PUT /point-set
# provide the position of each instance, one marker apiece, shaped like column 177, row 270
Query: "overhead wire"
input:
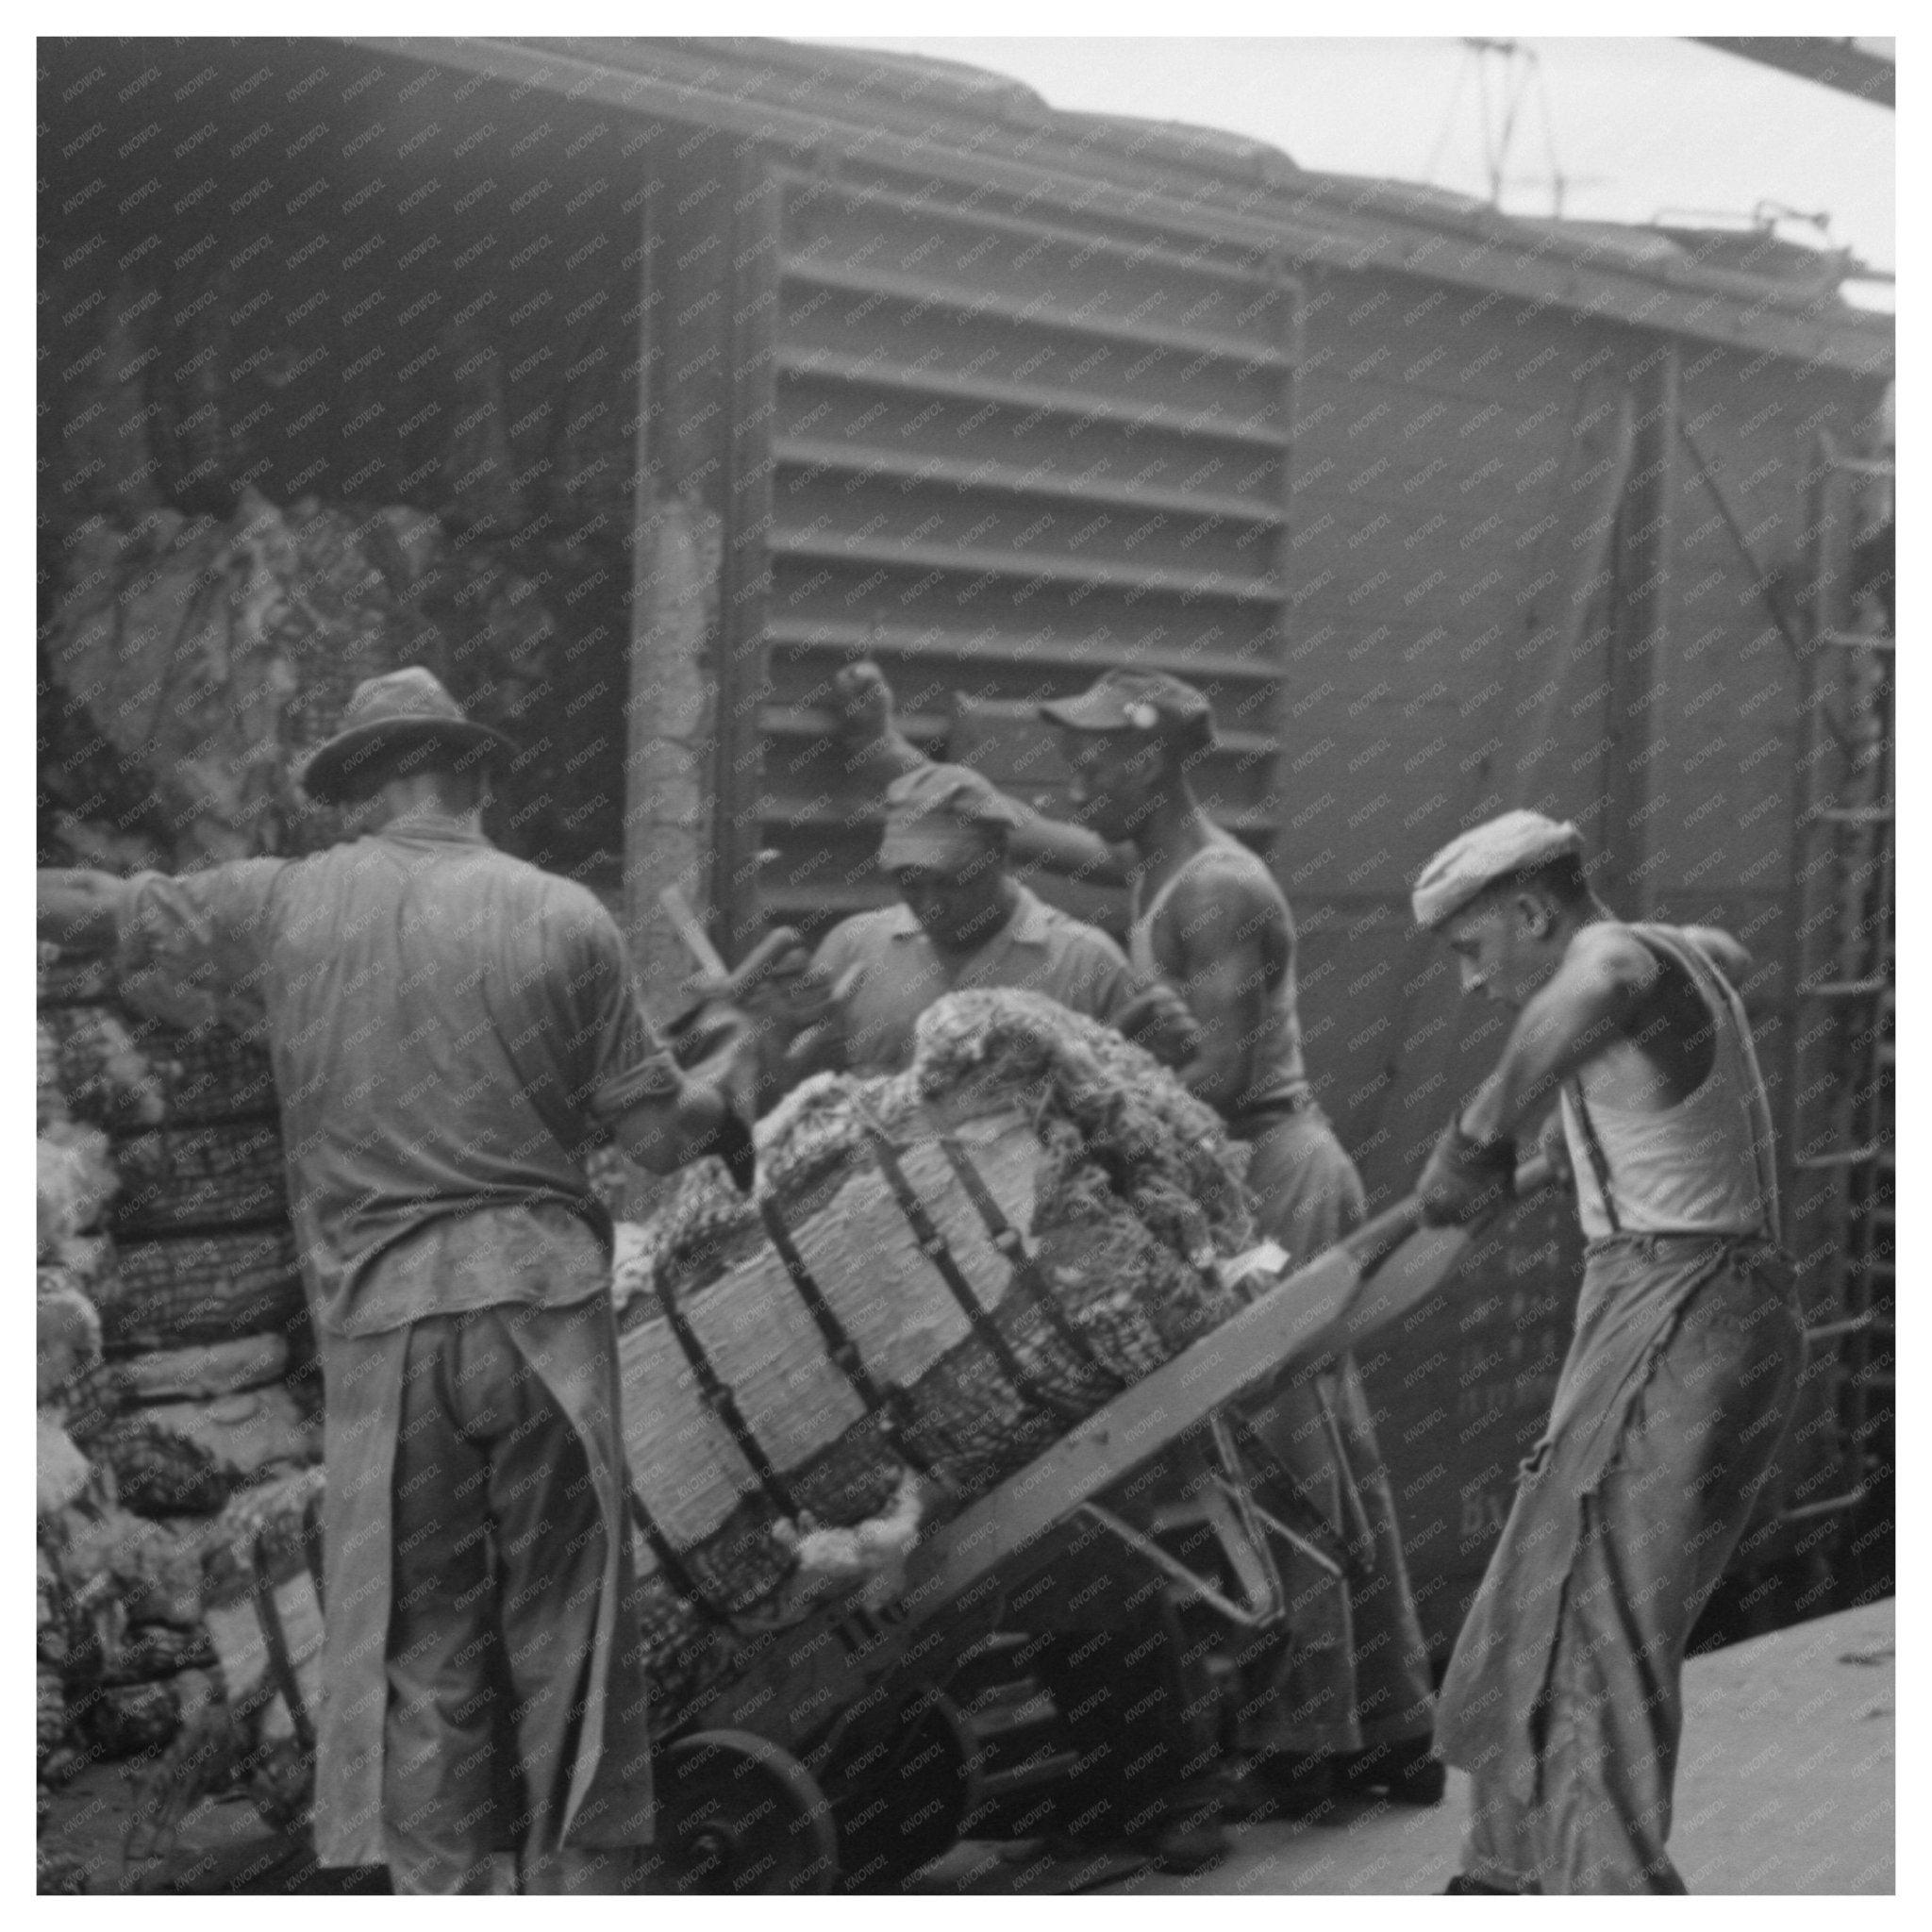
column 1449, row 117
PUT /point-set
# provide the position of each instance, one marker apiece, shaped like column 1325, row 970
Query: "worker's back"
column 437, row 1012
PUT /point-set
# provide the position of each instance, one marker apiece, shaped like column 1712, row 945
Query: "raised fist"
column 864, row 701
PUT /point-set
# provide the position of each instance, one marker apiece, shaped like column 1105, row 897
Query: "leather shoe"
column 1406, row 1769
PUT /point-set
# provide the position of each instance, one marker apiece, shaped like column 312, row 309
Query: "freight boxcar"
column 740, row 360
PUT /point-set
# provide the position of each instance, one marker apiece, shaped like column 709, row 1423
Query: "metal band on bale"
column 839, row 1344
column 723, row 1404
column 1005, row 1238
column 932, row 1244
column 683, row 1579
column 890, row 1406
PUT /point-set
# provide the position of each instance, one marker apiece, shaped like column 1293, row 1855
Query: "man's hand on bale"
column 691, row 1099
column 793, row 1007
column 1159, row 1021
column 1465, row 1178
column 720, row 1048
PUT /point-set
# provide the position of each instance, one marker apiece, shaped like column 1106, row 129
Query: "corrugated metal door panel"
column 1007, row 452
column 1417, row 584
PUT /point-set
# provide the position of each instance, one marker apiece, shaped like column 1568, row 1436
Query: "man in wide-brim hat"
column 1562, row 1699
column 392, row 725
column 451, row 1030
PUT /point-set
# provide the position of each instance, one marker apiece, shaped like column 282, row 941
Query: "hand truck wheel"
column 738, row 1814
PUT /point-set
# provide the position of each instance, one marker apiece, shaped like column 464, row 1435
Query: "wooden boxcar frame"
column 1449, row 511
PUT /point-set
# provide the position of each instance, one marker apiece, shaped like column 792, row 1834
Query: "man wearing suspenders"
column 1562, row 1699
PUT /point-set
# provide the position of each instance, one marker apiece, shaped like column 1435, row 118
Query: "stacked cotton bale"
column 941, row 1273
column 239, row 519
column 173, row 1369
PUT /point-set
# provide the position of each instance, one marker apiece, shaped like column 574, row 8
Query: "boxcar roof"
column 954, row 122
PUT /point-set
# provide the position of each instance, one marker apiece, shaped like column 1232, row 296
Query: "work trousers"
column 1564, row 1700
column 1349, row 1669
column 498, row 1559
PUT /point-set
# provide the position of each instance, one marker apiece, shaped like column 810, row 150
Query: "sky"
column 1636, row 127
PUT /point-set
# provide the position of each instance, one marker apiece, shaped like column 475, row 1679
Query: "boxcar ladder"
column 1840, row 1222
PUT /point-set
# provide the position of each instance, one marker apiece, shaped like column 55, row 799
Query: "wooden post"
column 745, row 567
column 678, row 542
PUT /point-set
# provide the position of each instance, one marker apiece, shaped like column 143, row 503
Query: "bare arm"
column 663, row 1114
column 1603, row 980
column 1211, row 942
column 662, row 1134
column 1594, row 996
column 881, row 752
column 79, row 909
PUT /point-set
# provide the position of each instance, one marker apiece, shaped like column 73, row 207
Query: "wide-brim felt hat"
column 401, row 708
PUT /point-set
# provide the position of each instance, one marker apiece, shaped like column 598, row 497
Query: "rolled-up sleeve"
column 626, row 1062
column 199, row 940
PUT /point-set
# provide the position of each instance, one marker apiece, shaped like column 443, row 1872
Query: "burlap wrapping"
column 211, row 1074
column 205, row 1176
column 744, row 1408
column 167, row 1293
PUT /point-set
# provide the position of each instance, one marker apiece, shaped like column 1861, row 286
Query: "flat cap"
column 1138, row 701
column 1493, row 850
column 939, row 814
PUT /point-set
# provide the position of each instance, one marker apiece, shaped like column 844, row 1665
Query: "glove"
column 1465, row 1180
column 1159, row 1021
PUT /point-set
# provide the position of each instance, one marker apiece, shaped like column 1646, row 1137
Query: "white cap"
column 1483, row 855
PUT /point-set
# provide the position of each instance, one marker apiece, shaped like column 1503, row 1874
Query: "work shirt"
column 1038, row 949
column 437, row 1014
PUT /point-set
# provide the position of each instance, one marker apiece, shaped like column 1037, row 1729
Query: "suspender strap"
column 1005, row 1238
column 267, row 1613
column 1599, row 1161
column 723, row 1404
column 933, row 1247
column 888, row 1405
column 683, row 1580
